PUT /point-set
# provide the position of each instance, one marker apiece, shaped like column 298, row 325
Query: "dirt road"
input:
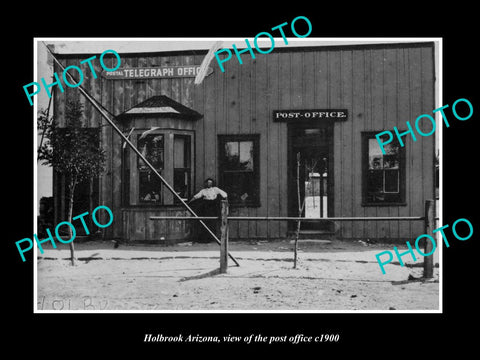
column 335, row 276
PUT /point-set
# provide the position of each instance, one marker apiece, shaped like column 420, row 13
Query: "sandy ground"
column 334, row 276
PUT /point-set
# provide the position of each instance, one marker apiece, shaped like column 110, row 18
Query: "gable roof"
column 161, row 105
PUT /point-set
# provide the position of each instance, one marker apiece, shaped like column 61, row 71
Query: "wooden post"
column 320, row 192
column 300, row 210
column 429, row 223
column 224, row 238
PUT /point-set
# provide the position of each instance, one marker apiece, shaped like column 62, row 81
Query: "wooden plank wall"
column 380, row 87
column 118, row 96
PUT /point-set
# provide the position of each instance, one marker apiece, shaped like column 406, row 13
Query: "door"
column 310, row 161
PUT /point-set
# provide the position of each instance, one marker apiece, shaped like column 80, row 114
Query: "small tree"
column 73, row 151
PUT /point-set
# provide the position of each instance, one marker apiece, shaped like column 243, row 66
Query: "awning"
column 161, row 106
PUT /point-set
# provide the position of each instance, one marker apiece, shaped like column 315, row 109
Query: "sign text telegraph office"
column 154, row 72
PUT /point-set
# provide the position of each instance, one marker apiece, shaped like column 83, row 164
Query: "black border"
column 406, row 334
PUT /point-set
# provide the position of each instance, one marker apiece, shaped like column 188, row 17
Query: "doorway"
column 310, row 150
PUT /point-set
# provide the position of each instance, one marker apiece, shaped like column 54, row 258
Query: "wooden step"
column 312, row 234
column 312, row 241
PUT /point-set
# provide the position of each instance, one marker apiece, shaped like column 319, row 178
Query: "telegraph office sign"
column 156, row 72
column 292, row 115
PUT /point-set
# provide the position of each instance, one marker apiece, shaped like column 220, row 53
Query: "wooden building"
column 245, row 126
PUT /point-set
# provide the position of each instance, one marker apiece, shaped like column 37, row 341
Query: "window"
column 239, row 168
column 151, row 146
column 169, row 151
column 125, row 174
column 383, row 175
column 182, row 166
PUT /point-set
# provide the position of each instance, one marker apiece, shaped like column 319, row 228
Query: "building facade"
column 315, row 109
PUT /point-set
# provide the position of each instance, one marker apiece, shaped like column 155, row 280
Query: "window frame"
column 255, row 138
column 189, row 169
column 365, row 137
column 130, row 197
column 140, row 171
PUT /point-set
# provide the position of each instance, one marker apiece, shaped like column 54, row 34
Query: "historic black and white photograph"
column 233, row 175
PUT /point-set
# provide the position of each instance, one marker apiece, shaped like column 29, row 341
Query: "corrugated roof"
column 164, row 106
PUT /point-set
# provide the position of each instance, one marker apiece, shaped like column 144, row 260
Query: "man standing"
column 208, row 207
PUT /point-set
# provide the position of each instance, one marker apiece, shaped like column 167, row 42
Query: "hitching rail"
column 287, row 218
column 428, row 219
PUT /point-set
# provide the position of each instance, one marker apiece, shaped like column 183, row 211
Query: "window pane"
column 246, row 155
column 375, row 156
column 232, row 155
column 375, row 181
column 392, row 181
column 187, row 151
column 383, row 172
column 238, row 155
column 151, row 147
column 181, row 171
column 126, row 176
column 390, row 161
column 149, row 187
column 179, row 152
column 181, row 182
column 238, row 168
column 392, row 148
column 240, row 186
